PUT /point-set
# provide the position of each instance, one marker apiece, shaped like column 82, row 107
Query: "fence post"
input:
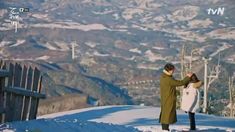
column 2, row 95
column 36, row 82
column 9, row 97
column 27, row 99
column 18, row 98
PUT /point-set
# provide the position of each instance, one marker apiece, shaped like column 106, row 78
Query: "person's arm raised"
column 177, row 83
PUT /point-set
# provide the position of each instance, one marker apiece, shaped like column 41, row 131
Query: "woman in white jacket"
column 190, row 99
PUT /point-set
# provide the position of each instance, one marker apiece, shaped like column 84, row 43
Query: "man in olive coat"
column 168, row 95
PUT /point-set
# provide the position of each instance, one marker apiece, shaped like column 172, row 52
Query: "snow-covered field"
column 116, row 119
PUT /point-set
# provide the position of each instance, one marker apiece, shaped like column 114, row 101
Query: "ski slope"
column 116, row 119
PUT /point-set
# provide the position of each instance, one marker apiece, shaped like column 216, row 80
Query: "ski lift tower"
column 208, row 79
column 74, row 44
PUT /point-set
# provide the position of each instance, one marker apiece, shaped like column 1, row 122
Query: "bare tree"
column 231, row 96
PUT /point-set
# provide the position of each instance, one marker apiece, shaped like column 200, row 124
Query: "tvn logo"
column 218, row 11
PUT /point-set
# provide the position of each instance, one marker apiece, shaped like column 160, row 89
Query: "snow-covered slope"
column 118, row 119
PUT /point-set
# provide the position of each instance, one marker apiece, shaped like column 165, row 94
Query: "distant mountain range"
column 117, row 41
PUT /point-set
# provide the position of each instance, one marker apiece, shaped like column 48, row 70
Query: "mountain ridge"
column 118, row 41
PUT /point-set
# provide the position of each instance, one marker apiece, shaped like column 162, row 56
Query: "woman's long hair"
column 193, row 79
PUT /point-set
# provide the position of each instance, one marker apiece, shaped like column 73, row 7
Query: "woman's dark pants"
column 192, row 121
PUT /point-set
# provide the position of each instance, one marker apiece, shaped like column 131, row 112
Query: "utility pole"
column 214, row 74
column 205, row 84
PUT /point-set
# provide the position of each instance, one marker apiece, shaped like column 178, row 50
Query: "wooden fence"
column 20, row 88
